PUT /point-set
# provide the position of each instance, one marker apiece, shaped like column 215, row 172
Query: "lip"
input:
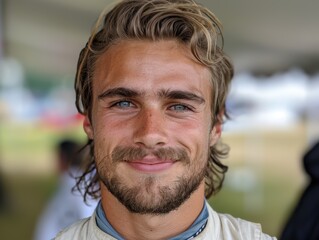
column 151, row 166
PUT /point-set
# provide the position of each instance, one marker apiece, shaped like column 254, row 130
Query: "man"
column 152, row 83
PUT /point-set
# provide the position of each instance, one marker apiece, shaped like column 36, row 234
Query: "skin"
column 151, row 119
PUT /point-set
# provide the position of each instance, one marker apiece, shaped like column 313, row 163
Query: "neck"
column 143, row 226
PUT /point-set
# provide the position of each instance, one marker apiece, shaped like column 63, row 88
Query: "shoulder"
column 85, row 229
column 226, row 226
column 78, row 230
column 242, row 228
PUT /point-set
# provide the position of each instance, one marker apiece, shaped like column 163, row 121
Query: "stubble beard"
column 149, row 196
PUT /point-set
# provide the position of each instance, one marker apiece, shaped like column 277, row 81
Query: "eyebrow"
column 123, row 92
column 168, row 94
column 178, row 94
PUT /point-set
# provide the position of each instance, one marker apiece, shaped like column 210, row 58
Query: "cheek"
column 112, row 122
column 191, row 125
column 196, row 137
column 110, row 133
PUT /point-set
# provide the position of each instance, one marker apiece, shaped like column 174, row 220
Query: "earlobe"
column 88, row 129
column 215, row 134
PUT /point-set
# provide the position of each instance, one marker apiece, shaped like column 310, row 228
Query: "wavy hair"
column 185, row 21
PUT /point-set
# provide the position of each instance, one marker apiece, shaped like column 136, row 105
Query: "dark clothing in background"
column 304, row 221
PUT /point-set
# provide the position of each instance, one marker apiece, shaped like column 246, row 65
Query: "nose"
column 150, row 129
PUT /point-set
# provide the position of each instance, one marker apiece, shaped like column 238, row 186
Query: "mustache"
column 128, row 154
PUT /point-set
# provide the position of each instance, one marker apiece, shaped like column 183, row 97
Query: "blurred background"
column 273, row 103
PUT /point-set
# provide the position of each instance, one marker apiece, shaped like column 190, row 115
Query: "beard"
column 149, row 195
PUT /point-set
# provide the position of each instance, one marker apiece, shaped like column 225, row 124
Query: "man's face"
column 151, row 124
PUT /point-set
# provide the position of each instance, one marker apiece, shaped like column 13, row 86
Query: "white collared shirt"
column 219, row 227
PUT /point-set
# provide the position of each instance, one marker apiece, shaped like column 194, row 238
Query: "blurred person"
column 152, row 83
column 303, row 223
column 65, row 207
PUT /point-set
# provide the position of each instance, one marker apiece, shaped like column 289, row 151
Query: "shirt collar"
column 195, row 229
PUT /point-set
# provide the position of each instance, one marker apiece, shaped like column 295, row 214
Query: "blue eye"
column 123, row 104
column 179, row 108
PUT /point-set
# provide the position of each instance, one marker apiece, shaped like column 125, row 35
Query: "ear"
column 87, row 126
column 215, row 133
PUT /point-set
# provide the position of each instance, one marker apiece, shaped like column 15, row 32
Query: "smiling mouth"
column 151, row 165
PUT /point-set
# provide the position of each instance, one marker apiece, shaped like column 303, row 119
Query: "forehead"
column 165, row 64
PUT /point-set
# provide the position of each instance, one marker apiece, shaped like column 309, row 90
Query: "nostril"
column 150, row 129
column 150, row 140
